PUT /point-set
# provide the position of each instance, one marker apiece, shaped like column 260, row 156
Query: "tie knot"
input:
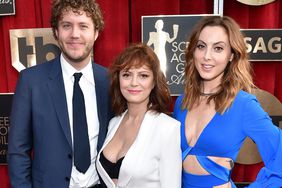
column 77, row 76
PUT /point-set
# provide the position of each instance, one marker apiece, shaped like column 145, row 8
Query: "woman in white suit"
column 142, row 147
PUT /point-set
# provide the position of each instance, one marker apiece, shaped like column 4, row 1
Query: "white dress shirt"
column 87, row 85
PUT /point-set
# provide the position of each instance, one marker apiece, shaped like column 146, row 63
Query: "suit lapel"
column 101, row 103
column 134, row 157
column 57, row 91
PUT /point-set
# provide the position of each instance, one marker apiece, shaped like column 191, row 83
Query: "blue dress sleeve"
column 259, row 127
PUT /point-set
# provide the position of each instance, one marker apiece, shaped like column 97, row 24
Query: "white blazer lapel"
column 111, row 132
column 135, row 155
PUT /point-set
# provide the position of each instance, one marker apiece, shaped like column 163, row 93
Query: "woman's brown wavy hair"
column 135, row 56
column 91, row 8
column 237, row 75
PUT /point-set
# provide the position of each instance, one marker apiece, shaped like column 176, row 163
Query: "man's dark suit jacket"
column 39, row 126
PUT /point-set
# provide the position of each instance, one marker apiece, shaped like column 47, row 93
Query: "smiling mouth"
column 74, row 44
column 134, row 91
column 207, row 67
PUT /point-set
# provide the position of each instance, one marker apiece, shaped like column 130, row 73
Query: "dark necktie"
column 80, row 132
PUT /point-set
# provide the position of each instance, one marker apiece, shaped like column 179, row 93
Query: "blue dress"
column 223, row 137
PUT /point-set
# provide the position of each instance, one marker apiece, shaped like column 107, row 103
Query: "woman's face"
column 136, row 84
column 212, row 53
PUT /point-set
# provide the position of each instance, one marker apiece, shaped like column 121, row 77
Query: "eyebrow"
column 219, row 42
column 142, row 71
column 70, row 22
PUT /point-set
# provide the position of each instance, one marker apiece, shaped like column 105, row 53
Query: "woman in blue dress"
column 217, row 110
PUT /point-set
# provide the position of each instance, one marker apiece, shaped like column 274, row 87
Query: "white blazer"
column 154, row 158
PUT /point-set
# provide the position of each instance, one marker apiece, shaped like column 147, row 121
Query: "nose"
column 134, row 80
column 75, row 32
column 208, row 54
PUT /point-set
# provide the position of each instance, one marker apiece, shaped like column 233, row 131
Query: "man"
column 41, row 150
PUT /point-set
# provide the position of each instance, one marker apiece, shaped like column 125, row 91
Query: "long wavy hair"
column 237, row 75
column 91, row 8
column 135, row 56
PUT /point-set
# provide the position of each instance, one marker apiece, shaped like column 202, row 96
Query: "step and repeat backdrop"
column 167, row 35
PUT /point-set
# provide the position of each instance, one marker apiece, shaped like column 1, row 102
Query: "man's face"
column 76, row 35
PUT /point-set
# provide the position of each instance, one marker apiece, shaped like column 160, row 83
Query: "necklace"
column 207, row 94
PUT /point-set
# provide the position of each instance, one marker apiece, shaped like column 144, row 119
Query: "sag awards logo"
column 159, row 38
column 169, row 49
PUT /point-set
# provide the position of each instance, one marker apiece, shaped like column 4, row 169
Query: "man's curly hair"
column 91, row 7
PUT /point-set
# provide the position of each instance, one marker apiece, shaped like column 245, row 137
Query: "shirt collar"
column 68, row 70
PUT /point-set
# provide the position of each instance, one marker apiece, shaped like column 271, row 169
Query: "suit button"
column 69, row 156
column 67, row 178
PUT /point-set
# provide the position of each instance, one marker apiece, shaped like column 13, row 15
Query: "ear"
column 56, row 34
column 231, row 57
column 96, row 34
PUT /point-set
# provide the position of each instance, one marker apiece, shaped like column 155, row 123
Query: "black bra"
column 111, row 168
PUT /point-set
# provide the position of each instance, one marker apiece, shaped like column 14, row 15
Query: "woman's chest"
column 220, row 135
